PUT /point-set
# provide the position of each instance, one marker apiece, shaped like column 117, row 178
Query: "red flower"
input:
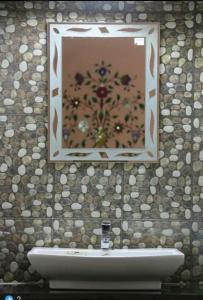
column 101, row 92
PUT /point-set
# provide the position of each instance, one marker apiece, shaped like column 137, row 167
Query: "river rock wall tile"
column 63, row 204
column 77, row 233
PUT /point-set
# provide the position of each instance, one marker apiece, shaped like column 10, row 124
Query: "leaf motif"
column 103, row 155
column 56, row 30
column 78, row 154
column 127, row 117
column 55, row 92
column 55, row 62
column 126, row 154
column 78, row 29
column 141, row 105
column 56, row 153
column 150, row 153
column 55, row 123
column 130, row 29
column 151, row 30
column 152, row 61
column 103, row 30
column 152, row 126
column 152, row 93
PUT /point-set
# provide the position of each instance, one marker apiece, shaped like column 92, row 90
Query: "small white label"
column 139, row 41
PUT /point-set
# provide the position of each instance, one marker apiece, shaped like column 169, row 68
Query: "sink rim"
column 109, row 253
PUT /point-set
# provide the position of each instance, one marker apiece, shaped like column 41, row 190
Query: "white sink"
column 67, row 268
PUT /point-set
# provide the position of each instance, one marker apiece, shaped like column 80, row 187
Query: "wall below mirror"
column 63, row 204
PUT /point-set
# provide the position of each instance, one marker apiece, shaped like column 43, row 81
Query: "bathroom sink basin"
column 67, row 268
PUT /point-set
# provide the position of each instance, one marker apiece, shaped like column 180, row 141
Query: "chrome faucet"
column 105, row 237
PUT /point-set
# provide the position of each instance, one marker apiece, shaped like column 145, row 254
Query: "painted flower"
column 75, row 102
column 118, row 127
column 126, row 103
column 135, row 135
column 65, row 134
column 83, row 125
column 102, row 92
column 125, row 79
column 102, row 71
column 79, row 78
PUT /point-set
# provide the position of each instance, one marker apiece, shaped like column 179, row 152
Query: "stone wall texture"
column 63, row 204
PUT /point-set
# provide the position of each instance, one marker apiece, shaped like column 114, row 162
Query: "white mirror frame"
column 150, row 31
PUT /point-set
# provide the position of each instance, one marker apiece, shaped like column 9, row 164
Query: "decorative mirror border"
column 150, row 31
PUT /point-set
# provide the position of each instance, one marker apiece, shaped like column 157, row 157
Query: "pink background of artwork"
column 80, row 55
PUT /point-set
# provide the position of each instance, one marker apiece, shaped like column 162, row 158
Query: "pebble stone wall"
column 63, row 204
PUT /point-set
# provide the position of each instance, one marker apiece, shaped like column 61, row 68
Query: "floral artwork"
column 103, row 92
column 103, row 109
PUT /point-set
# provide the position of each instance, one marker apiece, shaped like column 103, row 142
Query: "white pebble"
column 22, row 152
column 178, row 70
column 5, row 64
column 76, row 206
column 38, row 172
column 196, row 208
column 13, row 266
column 164, row 215
column 28, row 4
column 10, row 28
column 201, row 155
column 3, row 13
column 23, row 66
column 127, row 207
column 63, row 179
column 189, row 23
column 32, row 22
column 187, row 214
column 171, row 25
column 125, row 225
column 145, row 207
column 56, row 225
column 58, row 207
column 132, row 180
column 23, row 49
column 6, row 205
column 8, row 102
column 167, row 232
column 200, row 180
column 148, row 224
column 159, row 172
column 79, row 223
column 31, row 127
column 29, row 230
column 168, row 129
column 199, row 18
column 73, row 169
column 3, row 118
column 107, row 172
column 3, row 168
column 21, row 170
column 90, row 171
column 190, row 54
column 118, row 188
column 49, row 188
column 28, row 110
column 9, row 133
column 134, row 195
column 49, row 212
column 84, row 189
column 95, row 214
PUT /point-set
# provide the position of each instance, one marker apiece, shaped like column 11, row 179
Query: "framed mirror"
column 103, row 92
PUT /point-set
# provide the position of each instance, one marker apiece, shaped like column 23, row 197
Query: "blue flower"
column 102, row 71
column 135, row 135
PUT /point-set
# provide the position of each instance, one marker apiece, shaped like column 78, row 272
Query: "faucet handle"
column 106, row 226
